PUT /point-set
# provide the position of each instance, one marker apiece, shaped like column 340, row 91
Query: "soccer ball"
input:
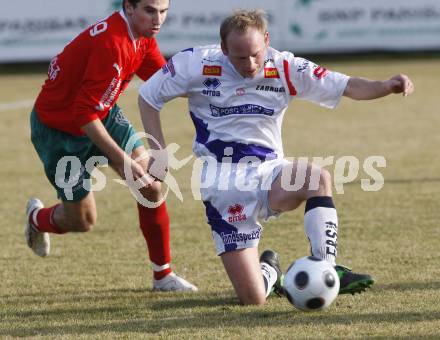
column 311, row 284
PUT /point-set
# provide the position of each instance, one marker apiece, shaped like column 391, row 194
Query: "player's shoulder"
column 280, row 56
column 202, row 53
column 111, row 32
column 300, row 64
column 194, row 58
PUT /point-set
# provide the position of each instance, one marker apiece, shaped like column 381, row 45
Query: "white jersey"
column 238, row 115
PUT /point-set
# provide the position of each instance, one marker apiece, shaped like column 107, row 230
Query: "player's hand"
column 140, row 175
column 158, row 164
column 400, row 84
column 133, row 172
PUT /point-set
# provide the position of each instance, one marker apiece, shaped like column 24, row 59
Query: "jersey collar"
column 130, row 33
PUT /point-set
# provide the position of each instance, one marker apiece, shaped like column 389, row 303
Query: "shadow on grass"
column 211, row 321
column 408, row 286
column 146, row 312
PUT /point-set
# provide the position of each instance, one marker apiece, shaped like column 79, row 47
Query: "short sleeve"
column 169, row 82
column 315, row 83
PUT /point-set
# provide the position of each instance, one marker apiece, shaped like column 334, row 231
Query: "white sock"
column 321, row 227
column 269, row 277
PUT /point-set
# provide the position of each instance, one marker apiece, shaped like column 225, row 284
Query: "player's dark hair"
column 131, row 2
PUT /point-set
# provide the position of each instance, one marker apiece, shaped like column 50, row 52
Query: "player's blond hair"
column 241, row 20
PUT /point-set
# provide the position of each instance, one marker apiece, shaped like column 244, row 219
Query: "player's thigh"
column 297, row 182
column 244, row 271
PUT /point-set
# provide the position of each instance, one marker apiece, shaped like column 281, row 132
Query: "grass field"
column 98, row 285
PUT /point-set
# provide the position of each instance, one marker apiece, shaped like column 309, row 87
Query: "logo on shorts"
column 120, row 119
column 236, row 213
column 213, row 70
column 236, row 237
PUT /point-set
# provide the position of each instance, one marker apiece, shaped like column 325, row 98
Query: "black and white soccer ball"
column 311, row 284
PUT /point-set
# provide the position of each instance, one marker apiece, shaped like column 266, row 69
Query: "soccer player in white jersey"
column 237, row 94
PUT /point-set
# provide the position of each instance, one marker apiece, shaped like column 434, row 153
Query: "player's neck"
column 130, row 28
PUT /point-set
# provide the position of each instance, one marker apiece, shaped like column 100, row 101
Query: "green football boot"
column 271, row 258
column 352, row 283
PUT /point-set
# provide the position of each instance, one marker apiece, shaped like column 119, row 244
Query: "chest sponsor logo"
column 246, row 109
column 271, row 72
column 212, row 70
column 110, row 95
column 268, row 88
column 211, row 84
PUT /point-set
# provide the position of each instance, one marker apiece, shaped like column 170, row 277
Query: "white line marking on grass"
column 28, row 103
column 20, row 104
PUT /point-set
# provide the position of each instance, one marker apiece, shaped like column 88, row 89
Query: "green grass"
column 98, row 285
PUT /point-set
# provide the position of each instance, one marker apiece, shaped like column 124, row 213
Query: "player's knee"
column 325, row 182
column 155, row 187
column 252, row 297
column 152, row 193
column 255, row 299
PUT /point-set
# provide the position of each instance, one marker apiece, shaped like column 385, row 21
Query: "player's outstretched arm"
column 158, row 167
column 365, row 89
column 97, row 133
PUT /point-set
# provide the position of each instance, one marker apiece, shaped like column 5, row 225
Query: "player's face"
column 147, row 17
column 246, row 51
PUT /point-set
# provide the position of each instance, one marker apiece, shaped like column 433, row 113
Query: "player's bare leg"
column 155, row 226
column 244, row 271
column 253, row 279
column 59, row 219
column 320, row 219
column 317, row 182
column 78, row 216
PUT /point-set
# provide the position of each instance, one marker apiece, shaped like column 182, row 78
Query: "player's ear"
column 266, row 38
column 224, row 48
column 128, row 8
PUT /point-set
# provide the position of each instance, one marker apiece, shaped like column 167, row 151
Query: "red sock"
column 44, row 220
column 155, row 226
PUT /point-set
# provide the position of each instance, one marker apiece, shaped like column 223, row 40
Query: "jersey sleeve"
column 169, row 82
column 315, row 83
column 153, row 60
column 99, row 83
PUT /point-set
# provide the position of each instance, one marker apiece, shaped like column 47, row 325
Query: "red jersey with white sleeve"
column 87, row 77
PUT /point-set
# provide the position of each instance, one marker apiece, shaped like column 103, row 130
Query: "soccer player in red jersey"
column 75, row 123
